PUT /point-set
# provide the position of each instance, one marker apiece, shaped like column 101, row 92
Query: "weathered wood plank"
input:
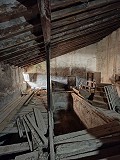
column 93, row 117
column 28, row 156
column 40, row 120
column 45, row 13
column 19, row 127
column 93, row 154
column 80, row 8
column 86, row 145
column 83, row 16
column 100, row 131
column 28, row 138
column 14, row 148
column 7, row 116
column 43, row 138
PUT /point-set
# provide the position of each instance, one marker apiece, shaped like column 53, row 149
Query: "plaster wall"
column 108, row 56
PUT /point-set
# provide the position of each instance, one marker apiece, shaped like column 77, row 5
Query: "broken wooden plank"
column 20, row 131
column 28, row 138
column 14, row 148
column 37, row 140
column 43, row 138
column 30, row 97
column 40, row 120
column 33, row 155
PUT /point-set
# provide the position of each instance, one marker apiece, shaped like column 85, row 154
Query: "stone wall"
column 11, row 83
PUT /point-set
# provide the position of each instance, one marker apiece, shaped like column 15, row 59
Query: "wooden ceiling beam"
column 15, row 31
column 29, row 60
column 45, row 14
column 87, row 31
column 19, row 11
column 32, row 63
column 55, row 5
column 19, row 48
column 86, row 21
column 80, row 8
column 17, row 45
column 64, row 47
column 85, row 15
column 26, row 59
column 26, row 54
column 21, row 52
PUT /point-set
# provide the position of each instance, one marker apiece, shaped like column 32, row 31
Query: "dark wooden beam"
column 25, row 55
column 30, row 60
column 30, row 38
column 15, row 31
column 44, row 8
column 79, row 42
column 85, row 15
column 56, row 5
column 19, row 11
column 18, row 48
column 32, row 63
column 27, row 59
column 87, row 21
column 80, row 8
column 91, row 29
column 21, row 52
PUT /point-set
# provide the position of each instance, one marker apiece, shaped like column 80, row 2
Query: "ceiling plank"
column 29, row 39
column 77, row 32
column 64, row 47
column 12, row 58
column 86, row 21
column 32, row 63
column 29, row 60
column 25, row 55
column 19, row 11
column 15, row 31
column 85, row 15
column 55, row 5
column 13, row 54
column 80, row 8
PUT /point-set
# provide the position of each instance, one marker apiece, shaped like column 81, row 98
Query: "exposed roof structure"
column 74, row 24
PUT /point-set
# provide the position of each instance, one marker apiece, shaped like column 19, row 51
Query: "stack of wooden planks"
column 8, row 112
column 31, row 122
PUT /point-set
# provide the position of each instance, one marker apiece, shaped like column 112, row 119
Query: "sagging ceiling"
column 74, row 24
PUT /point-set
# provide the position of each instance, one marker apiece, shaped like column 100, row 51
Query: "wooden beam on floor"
column 14, row 148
